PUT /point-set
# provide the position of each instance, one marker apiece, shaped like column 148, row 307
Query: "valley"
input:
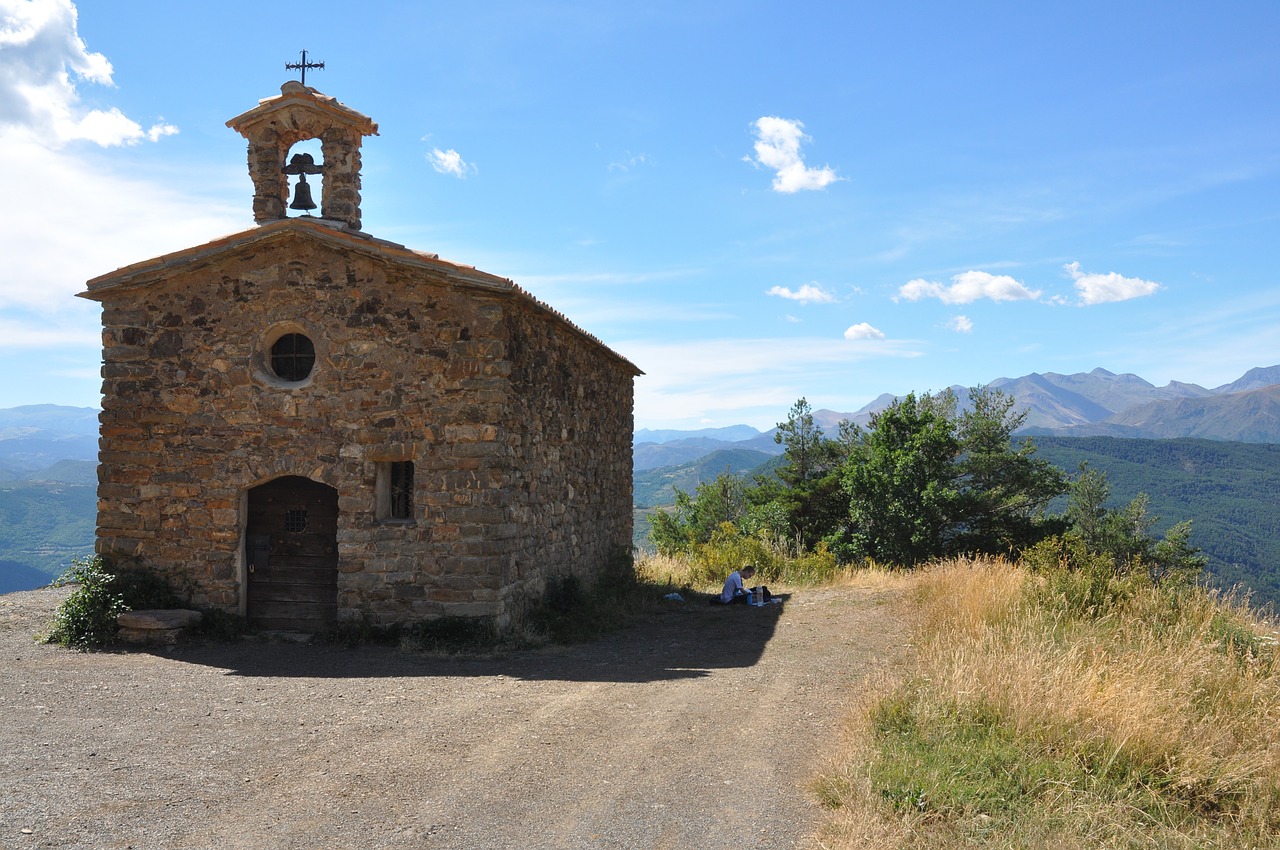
column 1208, row 455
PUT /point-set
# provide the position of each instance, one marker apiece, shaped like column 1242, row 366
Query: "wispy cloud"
column 629, row 161
column 809, row 293
column 961, row 324
column 1106, row 288
column 43, row 56
column 968, row 287
column 117, row 220
column 450, row 162
column 77, row 327
column 777, row 148
column 687, row 380
column 862, row 330
column 609, row 278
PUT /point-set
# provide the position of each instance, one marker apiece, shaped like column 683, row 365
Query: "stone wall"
column 570, row 423
column 519, row 427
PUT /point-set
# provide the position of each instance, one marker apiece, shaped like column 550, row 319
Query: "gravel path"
column 697, row 730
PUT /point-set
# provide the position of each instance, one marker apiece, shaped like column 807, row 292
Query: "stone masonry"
column 518, row 423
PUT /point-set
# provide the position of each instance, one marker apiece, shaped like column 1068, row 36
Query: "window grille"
column 401, row 501
column 292, row 357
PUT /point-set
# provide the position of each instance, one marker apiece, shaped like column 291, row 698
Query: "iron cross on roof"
column 303, row 66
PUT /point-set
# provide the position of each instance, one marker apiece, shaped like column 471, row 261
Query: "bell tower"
column 300, row 113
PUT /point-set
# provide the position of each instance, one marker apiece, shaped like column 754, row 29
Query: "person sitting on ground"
column 735, row 589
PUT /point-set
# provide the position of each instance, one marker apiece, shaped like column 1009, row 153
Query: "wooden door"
column 291, row 543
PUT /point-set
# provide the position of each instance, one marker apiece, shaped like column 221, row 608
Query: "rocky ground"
column 699, row 729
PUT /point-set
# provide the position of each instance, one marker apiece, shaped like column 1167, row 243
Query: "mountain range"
column 1085, row 404
column 48, row 453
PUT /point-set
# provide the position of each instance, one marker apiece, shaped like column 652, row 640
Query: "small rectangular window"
column 401, row 489
column 395, row 490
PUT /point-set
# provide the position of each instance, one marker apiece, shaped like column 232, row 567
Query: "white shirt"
column 732, row 587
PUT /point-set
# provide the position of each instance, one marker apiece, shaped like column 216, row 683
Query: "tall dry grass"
column 1028, row 722
column 775, row 565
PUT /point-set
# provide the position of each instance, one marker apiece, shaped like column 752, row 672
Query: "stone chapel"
column 305, row 424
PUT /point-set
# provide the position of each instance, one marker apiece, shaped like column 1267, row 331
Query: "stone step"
column 158, row 626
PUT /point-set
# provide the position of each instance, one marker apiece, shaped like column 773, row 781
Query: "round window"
column 292, row 357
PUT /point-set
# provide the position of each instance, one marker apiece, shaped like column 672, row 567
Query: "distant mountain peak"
column 1096, row 402
column 1254, row 379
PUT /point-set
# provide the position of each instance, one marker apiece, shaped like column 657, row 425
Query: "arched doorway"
column 291, row 545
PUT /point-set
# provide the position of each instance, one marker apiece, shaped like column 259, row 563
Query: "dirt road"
column 698, row 730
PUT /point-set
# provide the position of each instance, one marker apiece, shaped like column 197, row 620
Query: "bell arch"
column 299, row 114
column 304, row 170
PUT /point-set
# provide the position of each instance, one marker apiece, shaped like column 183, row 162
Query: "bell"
column 302, row 195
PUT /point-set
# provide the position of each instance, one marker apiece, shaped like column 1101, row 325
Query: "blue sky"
column 752, row 201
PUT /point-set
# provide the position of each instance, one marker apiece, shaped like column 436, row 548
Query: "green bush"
column 86, row 619
column 728, row 550
column 1238, row 640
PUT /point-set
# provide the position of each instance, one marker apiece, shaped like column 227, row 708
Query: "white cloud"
column 71, row 218
column 629, row 162
column 968, row 287
column 862, row 330
column 809, row 293
column 960, row 324
column 1105, row 288
column 719, row 378
column 76, row 327
column 450, row 162
column 777, row 148
column 51, row 249
column 42, row 52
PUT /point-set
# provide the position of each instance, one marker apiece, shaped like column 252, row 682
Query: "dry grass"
column 1154, row 723
column 677, row 571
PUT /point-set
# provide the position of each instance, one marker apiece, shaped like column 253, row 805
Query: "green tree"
column 696, row 517
column 807, row 485
column 902, row 483
column 1005, row 489
column 924, row 482
column 1123, row 535
column 802, row 442
column 1087, row 507
column 1174, row 560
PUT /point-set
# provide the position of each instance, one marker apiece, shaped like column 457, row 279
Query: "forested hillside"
column 1230, row 492
column 655, row 487
column 43, row 525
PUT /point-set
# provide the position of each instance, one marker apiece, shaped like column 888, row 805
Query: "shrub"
column 730, row 548
column 87, row 618
column 141, row 590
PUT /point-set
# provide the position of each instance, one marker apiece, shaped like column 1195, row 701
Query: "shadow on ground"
column 682, row 641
